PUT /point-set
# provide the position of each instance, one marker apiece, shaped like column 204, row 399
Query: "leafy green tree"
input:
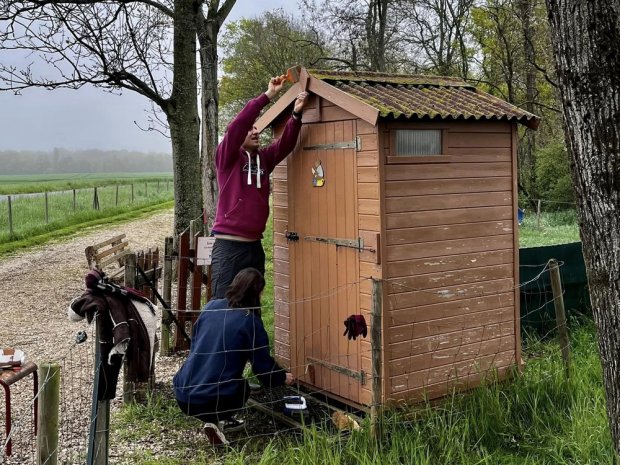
column 553, row 176
column 515, row 63
column 257, row 49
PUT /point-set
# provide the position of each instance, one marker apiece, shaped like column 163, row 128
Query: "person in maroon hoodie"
column 243, row 170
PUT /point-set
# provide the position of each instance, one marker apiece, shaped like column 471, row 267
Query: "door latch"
column 291, row 236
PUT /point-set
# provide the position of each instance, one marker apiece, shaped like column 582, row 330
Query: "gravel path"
column 36, row 288
column 37, row 285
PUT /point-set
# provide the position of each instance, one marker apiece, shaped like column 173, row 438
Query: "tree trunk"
column 210, row 112
column 182, row 113
column 208, row 30
column 528, row 143
column 586, row 42
column 376, row 20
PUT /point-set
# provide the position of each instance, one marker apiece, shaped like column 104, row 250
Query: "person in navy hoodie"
column 243, row 171
column 228, row 333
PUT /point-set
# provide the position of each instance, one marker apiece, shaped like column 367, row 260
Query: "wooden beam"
column 278, row 107
column 354, row 106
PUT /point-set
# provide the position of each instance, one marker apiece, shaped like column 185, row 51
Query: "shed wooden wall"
column 450, row 262
column 281, row 262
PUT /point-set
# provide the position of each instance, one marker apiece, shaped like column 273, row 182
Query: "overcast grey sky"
column 89, row 117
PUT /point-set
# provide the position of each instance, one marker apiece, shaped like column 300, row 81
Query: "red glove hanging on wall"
column 355, row 326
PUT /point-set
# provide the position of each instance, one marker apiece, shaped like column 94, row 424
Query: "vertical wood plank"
column 167, row 296
column 515, row 233
column 10, row 204
column 376, row 350
column 179, row 343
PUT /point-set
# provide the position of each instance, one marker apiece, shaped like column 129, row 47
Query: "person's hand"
column 290, row 379
column 300, row 101
column 275, row 85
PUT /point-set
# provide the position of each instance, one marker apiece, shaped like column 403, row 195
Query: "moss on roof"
column 413, row 96
column 387, row 78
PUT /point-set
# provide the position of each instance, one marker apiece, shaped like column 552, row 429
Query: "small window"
column 417, row 142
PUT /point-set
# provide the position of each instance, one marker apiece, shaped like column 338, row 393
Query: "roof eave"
column 349, row 103
column 530, row 121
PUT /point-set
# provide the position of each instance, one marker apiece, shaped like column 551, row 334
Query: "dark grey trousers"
column 228, row 258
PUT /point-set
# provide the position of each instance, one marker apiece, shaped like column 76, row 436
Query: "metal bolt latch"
column 291, row 236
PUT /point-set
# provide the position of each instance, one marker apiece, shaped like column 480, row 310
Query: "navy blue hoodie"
column 223, row 341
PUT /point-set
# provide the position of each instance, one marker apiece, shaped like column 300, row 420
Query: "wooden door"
column 324, row 260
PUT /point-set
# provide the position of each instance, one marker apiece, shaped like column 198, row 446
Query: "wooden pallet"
column 109, row 256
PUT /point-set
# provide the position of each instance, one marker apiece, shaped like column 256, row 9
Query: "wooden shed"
column 409, row 182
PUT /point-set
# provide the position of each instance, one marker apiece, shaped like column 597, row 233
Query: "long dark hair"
column 245, row 290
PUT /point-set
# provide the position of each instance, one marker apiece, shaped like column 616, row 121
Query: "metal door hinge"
column 354, row 144
column 352, row 243
column 359, row 375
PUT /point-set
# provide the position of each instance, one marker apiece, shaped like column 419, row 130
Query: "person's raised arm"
column 240, row 126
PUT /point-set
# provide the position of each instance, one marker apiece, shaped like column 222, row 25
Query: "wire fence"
column 425, row 354
column 21, row 213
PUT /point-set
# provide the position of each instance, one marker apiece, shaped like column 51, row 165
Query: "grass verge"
column 539, row 417
column 38, row 239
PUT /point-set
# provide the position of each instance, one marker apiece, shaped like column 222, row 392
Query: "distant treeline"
column 83, row 161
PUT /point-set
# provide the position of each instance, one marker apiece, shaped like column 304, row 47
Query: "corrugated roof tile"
column 424, row 97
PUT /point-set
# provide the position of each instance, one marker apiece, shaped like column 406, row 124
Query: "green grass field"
column 30, row 219
column 552, row 229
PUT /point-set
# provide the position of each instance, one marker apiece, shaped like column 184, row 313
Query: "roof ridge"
column 418, row 80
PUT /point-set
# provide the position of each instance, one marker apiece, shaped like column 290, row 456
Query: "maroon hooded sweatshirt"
column 243, row 178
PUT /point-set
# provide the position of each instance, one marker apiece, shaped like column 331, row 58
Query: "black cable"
column 164, row 304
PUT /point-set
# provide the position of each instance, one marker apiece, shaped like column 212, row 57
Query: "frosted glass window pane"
column 418, row 142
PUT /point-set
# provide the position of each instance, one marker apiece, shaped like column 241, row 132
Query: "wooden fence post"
column 560, row 312
column 95, row 199
column 129, row 387
column 131, row 192
column 538, row 214
column 74, row 202
column 376, row 349
column 167, row 296
column 47, row 421
column 98, row 439
column 47, row 209
column 10, row 215
column 117, row 195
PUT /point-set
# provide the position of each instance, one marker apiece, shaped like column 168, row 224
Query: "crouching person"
column 228, row 333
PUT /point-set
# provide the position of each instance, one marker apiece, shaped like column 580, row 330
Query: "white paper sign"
column 203, row 250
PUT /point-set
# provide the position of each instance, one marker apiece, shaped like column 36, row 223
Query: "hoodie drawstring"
column 258, row 185
column 249, row 168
